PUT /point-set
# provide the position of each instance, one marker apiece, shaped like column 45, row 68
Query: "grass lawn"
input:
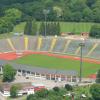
column 19, row 28
column 58, row 63
column 65, row 27
column 76, row 27
column 6, row 35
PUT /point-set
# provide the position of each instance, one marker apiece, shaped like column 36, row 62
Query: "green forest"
column 12, row 12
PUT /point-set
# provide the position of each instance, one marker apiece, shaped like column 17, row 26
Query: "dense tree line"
column 64, row 10
column 15, row 11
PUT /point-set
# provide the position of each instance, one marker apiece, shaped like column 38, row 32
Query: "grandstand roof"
column 38, row 69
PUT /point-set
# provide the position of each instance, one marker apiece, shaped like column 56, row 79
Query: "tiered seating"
column 53, row 43
column 32, row 43
column 39, row 43
column 67, row 43
column 4, row 46
column 74, row 44
column 46, row 42
column 59, row 46
column 88, row 46
column 18, row 43
column 11, row 44
column 26, row 42
column 96, row 52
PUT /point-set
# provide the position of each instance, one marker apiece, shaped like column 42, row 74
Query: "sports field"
column 58, row 63
column 76, row 27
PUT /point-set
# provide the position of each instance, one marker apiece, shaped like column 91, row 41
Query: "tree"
column 67, row 15
column 42, row 29
column 96, row 15
column 90, row 2
column 14, row 15
column 62, row 9
column 53, row 28
column 95, row 31
column 5, row 25
column 87, row 14
column 58, row 28
column 98, row 77
column 68, row 87
column 56, row 89
column 14, row 91
column 95, row 91
column 43, row 93
column 50, row 27
column 11, row 16
column 28, row 27
column 34, row 27
column 31, row 97
column 8, row 73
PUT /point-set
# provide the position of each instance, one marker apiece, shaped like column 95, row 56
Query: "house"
column 24, row 88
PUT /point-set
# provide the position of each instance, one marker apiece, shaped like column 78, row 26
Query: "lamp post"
column 82, row 44
column 45, row 12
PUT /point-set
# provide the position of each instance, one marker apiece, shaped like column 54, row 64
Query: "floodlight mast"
column 45, row 12
column 82, row 44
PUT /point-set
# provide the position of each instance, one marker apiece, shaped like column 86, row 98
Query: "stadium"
column 58, row 57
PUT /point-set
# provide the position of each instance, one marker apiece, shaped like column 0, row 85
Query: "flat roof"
column 38, row 69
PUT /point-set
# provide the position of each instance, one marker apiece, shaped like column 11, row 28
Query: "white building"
column 25, row 88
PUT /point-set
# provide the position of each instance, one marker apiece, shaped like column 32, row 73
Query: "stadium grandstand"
column 60, row 45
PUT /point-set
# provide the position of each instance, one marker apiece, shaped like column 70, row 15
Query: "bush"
column 68, row 87
column 31, row 97
column 95, row 31
column 56, row 89
column 42, row 93
column 98, row 77
column 95, row 91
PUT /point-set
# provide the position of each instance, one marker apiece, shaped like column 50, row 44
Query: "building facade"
column 42, row 73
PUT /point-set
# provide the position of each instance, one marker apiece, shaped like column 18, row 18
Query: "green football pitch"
column 52, row 62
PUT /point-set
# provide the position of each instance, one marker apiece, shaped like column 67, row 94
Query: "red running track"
column 14, row 55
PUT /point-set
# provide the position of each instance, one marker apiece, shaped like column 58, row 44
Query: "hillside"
column 75, row 15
